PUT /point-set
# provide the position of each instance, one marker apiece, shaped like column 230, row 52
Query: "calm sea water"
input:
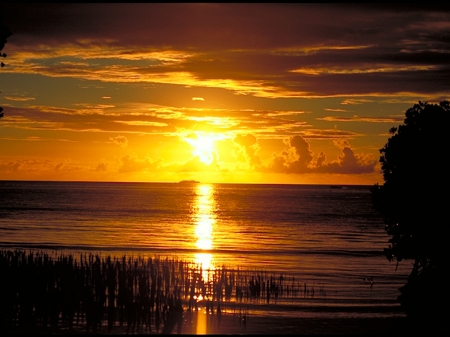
column 328, row 239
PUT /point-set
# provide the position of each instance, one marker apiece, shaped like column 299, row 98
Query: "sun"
column 203, row 146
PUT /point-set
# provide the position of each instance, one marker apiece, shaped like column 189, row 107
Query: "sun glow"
column 203, row 146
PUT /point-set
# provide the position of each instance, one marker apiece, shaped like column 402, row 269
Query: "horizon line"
column 177, row 181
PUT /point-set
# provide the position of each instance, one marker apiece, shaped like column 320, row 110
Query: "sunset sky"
column 247, row 93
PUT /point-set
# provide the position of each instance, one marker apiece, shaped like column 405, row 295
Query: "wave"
column 147, row 249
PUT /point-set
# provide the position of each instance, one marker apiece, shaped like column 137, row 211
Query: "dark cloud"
column 344, row 49
column 348, row 162
column 303, row 152
column 210, row 26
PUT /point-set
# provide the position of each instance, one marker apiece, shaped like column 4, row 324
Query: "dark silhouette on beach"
column 413, row 201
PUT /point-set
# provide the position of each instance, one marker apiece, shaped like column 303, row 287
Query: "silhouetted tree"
column 4, row 34
column 413, row 201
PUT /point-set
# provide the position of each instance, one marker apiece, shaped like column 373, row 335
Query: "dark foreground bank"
column 229, row 324
column 44, row 294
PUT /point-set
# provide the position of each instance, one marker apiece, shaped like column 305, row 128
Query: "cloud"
column 303, row 152
column 89, row 118
column 59, row 166
column 349, row 163
column 144, row 123
column 11, row 166
column 19, row 98
column 37, row 166
column 244, row 73
column 321, row 159
column 138, row 118
column 249, row 146
column 353, row 101
column 341, row 143
column 328, row 134
column 302, row 162
column 374, row 119
column 368, row 70
column 122, row 141
column 102, row 167
column 131, row 163
column 195, row 165
column 286, row 50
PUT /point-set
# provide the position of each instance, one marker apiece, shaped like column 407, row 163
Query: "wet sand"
column 202, row 323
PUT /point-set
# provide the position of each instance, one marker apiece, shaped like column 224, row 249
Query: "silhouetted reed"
column 54, row 292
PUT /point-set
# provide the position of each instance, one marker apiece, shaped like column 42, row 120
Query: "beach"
column 275, row 325
column 202, row 323
column 199, row 322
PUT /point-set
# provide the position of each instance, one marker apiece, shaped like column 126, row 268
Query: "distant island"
column 188, row 182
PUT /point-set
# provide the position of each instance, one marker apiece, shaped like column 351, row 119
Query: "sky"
column 220, row 93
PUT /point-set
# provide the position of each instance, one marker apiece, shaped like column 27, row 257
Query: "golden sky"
column 248, row 93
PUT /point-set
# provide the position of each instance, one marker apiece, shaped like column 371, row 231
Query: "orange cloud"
column 375, row 119
column 131, row 163
column 249, row 145
column 122, row 141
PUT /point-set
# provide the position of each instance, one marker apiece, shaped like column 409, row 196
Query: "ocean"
column 327, row 242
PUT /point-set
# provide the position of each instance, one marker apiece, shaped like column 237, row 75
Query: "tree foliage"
column 413, row 201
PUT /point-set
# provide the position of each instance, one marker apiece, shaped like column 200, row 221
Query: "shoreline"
column 266, row 322
column 201, row 323
column 269, row 324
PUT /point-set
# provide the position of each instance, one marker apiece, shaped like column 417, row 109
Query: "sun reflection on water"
column 204, row 217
